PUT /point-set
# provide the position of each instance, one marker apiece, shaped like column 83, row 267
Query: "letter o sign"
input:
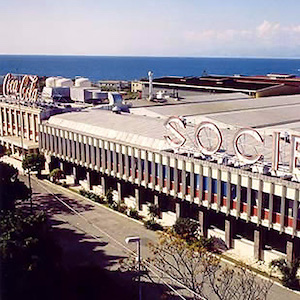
column 212, row 141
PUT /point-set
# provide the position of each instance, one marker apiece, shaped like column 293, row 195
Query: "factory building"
column 227, row 161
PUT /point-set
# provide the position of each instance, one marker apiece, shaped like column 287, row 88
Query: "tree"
column 203, row 273
column 11, row 189
column 34, row 162
column 57, row 174
column 2, row 150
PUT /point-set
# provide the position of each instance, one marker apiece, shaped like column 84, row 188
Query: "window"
column 164, row 171
column 197, row 181
column 150, row 167
column 223, row 189
column 276, row 204
column 265, row 200
column 205, row 183
column 254, row 198
column 172, row 173
column 233, row 191
column 188, row 178
column 214, row 186
column 243, row 194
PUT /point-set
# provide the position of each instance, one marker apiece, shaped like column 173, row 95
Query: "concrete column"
column 121, row 171
column 153, row 171
column 168, row 176
column 258, row 244
column 138, row 198
column 34, row 126
column 64, row 144
column 29, row 126
column 104, row 184
column 249, row 198
column 109, row 159
column 93, row 154
column 203, row 221
column 69, row 146
column 16, row 123
column 219, row 190
column 146, row 166
column 292, row 249
column 133, row 166
column 228, row 192
column 89, row 179
column 209, row 187
column 26, row 126
column 115, row 166
column 47, row 163
column 103, row 158
column 5, row 121
column 179, row 209
column 175, row 178
column 87, row 152
column 75, row 175
column 259, row 202
column 10, row 122
column 98, row 156
column 127, row 171
column 62, row 166
column 192, row 183
column 59, row 142
column 51, row 138
column 183, row 179
column 139, row 167
column 160, row 170
column 282, row 208
column 200, row 184
column 271, row 204
column 119, row 189
column 229, row 232
column 295, row 211
column 157, row 201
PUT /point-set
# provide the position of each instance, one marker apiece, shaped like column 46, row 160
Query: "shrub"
column 133, row 213
column 153, row 211
column 57, row 174
column 122, row 208
column 113, row 205
column 65, row 185
column 288, row 271
column 187, row 229
column 109, row 197
column 152, row 225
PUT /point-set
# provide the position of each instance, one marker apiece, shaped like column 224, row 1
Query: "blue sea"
column 130, row 68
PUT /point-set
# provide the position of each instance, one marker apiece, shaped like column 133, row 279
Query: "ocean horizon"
column 136, row 67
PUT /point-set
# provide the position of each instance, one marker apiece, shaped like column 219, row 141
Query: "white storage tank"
column 82, row 82
column 64, row 82
column 51, row 82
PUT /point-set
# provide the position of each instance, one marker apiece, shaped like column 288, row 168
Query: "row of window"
column 110, row 160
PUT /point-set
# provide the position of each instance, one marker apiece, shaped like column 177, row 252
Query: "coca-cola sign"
column 22, row 88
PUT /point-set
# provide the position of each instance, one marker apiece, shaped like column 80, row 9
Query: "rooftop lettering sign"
column 247, row 144
column 24, row 88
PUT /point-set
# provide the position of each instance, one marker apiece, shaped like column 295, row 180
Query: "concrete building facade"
column 135, row 160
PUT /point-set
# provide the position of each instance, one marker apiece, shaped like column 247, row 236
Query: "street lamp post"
column 137, row 240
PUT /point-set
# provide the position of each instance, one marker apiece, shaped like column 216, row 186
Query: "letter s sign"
column 174, row 124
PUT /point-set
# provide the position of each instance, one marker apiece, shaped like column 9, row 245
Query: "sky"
column 191, row 28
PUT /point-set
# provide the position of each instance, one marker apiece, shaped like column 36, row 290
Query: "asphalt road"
column 96, row 235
